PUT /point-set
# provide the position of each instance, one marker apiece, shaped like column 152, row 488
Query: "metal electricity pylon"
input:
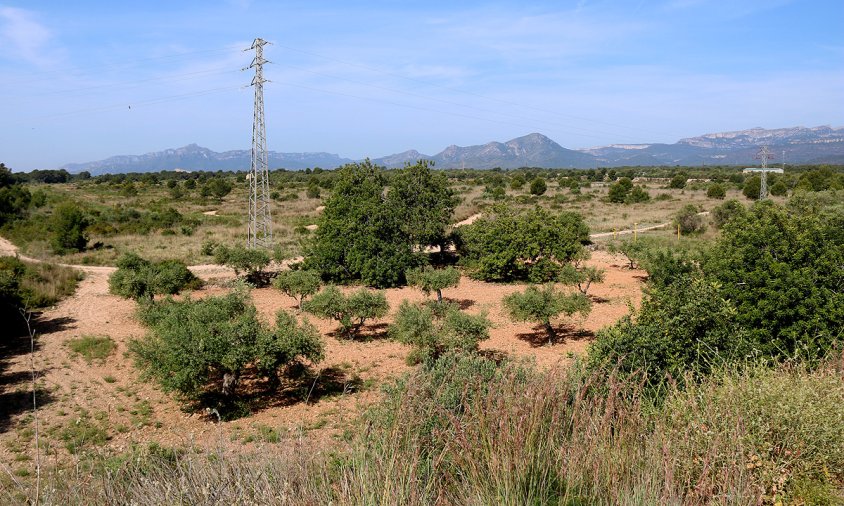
column 260, row 228
column 763, row 155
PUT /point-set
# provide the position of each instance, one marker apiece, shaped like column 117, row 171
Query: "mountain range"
column 821, row 144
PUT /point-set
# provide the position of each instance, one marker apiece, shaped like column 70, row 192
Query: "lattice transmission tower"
column 260, row 228
column 763, row 155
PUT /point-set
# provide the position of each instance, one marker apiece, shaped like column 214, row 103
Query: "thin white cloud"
column 22, row 37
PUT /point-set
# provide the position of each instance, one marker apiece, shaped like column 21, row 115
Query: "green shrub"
column 678, row 181
column 199, row 347
column 779, row 188
column 782, row 269
column 313, row 190
column 533, row 245
column 430, row 280
column 298, row 284
column 637, row 195
column 716, row 191
column 217, row 188
column 723, row 213
column 252, row 261
column 68, row 229
column 752, row 187
column 15, row 199
column 538, row 186
column 620, row 190
column 434, row 330
column 138, row 278
column 685, row 326
column 350, row 311
column 689, row 221
column 541, row 304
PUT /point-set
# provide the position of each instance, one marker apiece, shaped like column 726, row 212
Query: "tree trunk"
column 229, row 383
column 551, row 333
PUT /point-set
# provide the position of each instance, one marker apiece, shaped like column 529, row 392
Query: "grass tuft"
column 92, row 348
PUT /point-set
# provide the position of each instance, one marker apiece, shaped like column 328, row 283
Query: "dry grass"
column 469, row 432
column 46, row 284
column 227, row 225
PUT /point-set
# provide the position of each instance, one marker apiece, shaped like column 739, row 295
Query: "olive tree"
column 138, row 278
column 252, row 261
column 582, row 276
column 298, row 284
column 434, row 330
column 350, row 311
column 541, row 304
column 430, row 280
column 199, row 348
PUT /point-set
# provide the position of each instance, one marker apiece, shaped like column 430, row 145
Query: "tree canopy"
column 533, row 245
column 373, row 234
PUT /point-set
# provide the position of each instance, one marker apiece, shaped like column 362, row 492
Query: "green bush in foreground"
column 683, row 327
column 138, row 278
column 436, row 329
column 350, row 311
column 202, row 347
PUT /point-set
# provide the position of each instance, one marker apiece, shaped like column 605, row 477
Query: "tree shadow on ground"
column 16, row 387
column 374, row 332
column 51, row 325
column 496, row 356
column 463, row 304
column 299, row 384
column 19, row 401
column 539, row 337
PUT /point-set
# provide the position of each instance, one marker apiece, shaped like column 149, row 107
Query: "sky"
column 85, row 80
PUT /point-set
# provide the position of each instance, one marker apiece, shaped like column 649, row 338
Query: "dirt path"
column 637, row 230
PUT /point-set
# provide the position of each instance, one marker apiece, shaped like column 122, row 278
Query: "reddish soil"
column 110, row 391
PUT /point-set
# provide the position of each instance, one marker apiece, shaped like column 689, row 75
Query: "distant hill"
column 194, row 157
column 822, row 144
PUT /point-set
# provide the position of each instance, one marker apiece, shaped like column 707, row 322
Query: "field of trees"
column 642, row 335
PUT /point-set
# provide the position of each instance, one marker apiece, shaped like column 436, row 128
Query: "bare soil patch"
column 110, row 393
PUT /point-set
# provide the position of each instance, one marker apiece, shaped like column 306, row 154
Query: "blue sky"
column 84, row 80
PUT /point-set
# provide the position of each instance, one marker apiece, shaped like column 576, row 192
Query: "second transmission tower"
column 763, row 155
column 260, row 228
